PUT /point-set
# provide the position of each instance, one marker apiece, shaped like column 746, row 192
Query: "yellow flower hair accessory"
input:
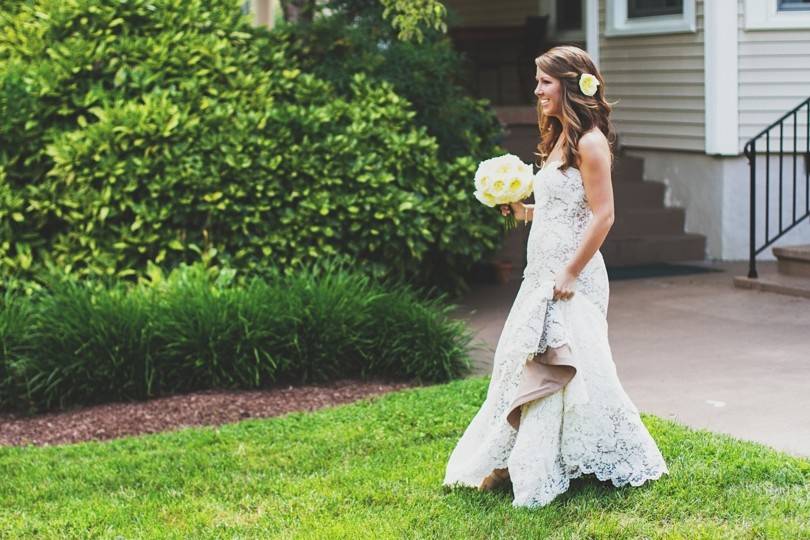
column 588, row 84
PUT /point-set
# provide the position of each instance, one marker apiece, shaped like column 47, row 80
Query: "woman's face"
column 548, row 91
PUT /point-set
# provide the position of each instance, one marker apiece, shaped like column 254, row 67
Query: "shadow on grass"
column 587, row 486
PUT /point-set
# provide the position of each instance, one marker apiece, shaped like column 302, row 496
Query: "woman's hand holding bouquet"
column 505, row 180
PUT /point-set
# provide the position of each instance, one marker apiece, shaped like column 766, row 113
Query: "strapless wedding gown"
column 550, row 418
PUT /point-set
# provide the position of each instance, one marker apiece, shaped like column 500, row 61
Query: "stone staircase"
column 792, row 275
column 645, row 231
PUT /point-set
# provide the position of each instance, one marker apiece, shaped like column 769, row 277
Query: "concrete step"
column 776, row 282
column 647, row 194
column 627, row 168
column 653, row 248
column 630, row 221
column 793, row 260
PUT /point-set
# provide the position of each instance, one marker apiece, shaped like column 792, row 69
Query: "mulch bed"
column 205, row 408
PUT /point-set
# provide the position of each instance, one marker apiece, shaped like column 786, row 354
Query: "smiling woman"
column 548, row 93
column 569, row 102
column 555, row 408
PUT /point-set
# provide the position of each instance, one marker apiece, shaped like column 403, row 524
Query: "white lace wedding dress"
column 551, row 417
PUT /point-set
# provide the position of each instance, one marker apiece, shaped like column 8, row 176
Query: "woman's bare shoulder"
column 593, row 145
column 593, row 138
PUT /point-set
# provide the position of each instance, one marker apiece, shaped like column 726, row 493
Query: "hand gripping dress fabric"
column 555, row 408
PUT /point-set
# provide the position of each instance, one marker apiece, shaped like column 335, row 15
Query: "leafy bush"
column 354, row 38
column 170, row 131
column 91, row 341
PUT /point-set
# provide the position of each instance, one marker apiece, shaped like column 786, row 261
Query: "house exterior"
column 696, row 90
column 694, row 81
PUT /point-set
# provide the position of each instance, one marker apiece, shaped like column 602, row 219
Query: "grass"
column 373, row 469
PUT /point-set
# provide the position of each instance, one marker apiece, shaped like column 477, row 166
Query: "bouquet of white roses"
column 503, row 180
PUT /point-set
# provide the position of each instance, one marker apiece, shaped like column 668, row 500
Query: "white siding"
column 774, row 78
column 488, row 13
column 658, row 81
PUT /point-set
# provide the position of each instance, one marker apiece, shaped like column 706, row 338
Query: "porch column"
column 592, row 29
column 263, row 12
column 720, row 77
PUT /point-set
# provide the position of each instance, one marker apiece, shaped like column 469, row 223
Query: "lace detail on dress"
column 537, row 481
column 613, row 444
column 561, row 217
column 591, row 425
column 610, row 444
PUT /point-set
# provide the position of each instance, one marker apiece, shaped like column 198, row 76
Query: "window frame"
column 764, row 15
column 801, row 7
column 618, row 24
column 640, row 17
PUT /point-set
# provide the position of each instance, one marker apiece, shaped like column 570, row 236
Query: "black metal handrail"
column 750, row 151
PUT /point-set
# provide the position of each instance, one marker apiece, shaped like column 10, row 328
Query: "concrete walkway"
column 696, row 350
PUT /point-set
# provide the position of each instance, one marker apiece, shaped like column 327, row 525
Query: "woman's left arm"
column 594, row 153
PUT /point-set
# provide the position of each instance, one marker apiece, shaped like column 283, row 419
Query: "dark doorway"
column 500, row 59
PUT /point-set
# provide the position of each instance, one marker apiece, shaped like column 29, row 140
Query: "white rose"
column 588, row 84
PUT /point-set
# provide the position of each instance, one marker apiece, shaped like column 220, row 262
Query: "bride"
column 555, row 408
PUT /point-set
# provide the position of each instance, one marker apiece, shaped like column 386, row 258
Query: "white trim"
column 264, row 12
column 720, row 77
column 591, row 14
column 762, row 15
column 617, row 23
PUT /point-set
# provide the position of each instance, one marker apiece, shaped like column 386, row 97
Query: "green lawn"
column 373, row 469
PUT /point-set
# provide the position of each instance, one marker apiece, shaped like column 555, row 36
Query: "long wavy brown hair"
column 579, row 111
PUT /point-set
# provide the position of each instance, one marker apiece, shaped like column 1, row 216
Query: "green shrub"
column 14, row 352
column 171, row 131
column 354, row 38
column 91, row 341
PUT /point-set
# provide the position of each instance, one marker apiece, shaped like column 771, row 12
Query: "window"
column 638, row 17
column 566, row 18
column 652, row 8
column 793, row 5
column 569, row 15
column 777, row 14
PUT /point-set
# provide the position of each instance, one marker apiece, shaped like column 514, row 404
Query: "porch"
column 695, row 82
